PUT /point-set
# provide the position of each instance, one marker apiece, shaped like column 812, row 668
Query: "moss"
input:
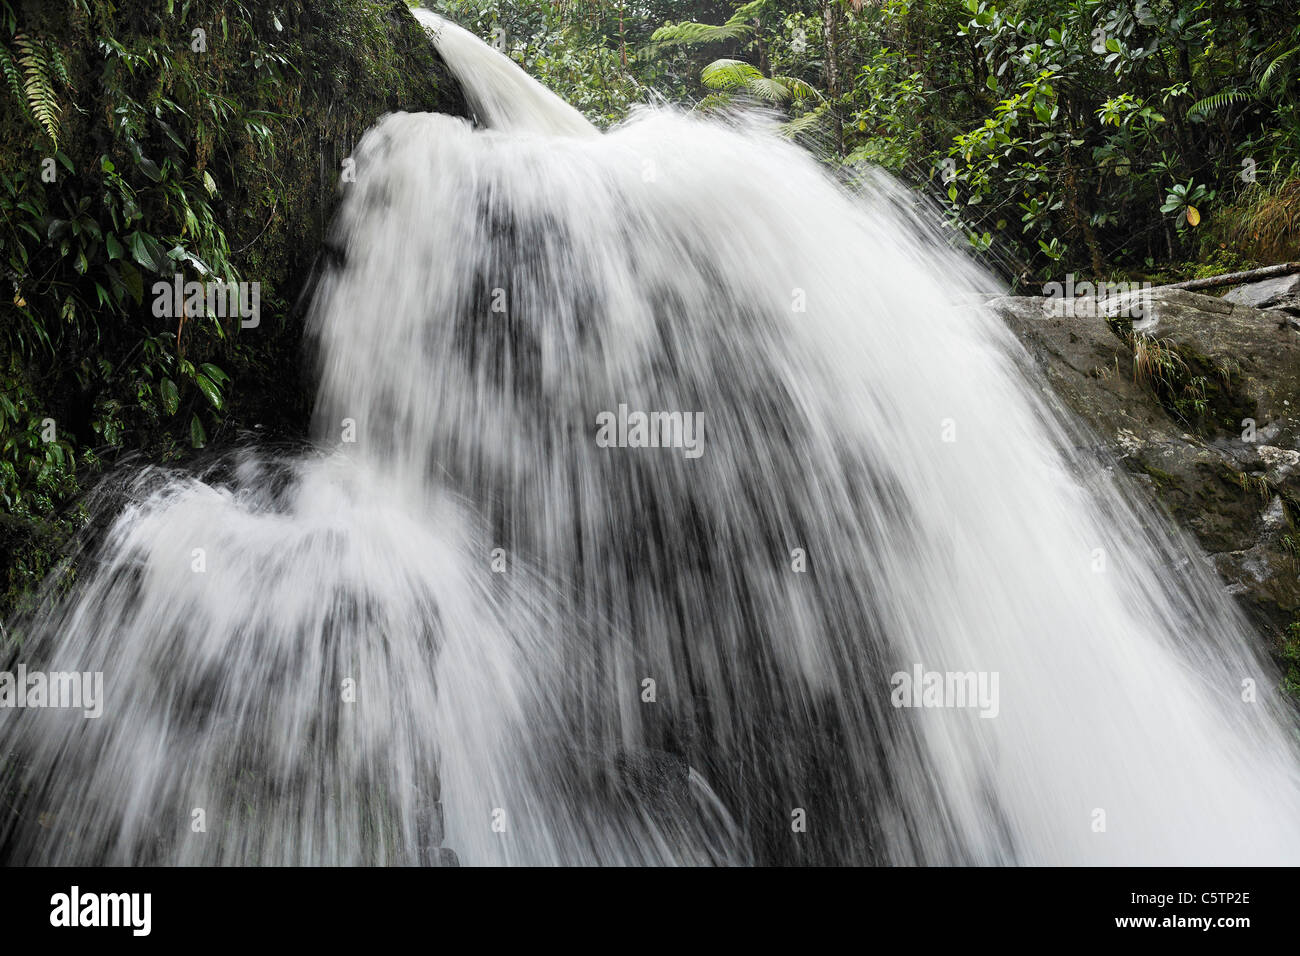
column 1290, row 655
column 1163, row 479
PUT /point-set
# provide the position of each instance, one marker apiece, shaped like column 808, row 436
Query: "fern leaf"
column 768, row 88
column 807, row 123
column 679, row 34
column 714, row 101
column 799, row 90
column 748, row 11
column 729, row 74
column 1275, row 68
column 1212, row 104
column 41, row 98
column 14, row 77
column 60, row 66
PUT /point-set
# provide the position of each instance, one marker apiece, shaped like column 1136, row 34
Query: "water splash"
column 561, row 652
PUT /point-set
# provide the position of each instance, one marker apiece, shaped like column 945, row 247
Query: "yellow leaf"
column 1193, row 216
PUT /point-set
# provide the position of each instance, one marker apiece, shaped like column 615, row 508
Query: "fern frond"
column 60, row 67
column 15, row 79
column 799, row 90
column 714, row 101
column 801, row 125
column 679, row 34
column 749, row 10
column 41, row 98
column 1212, row 104
column 729, row 74
column 737, row 27
column 1274, row 68
column 735, row 75
column 768, row 88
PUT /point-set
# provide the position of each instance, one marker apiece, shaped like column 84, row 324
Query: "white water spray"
column 476, row 626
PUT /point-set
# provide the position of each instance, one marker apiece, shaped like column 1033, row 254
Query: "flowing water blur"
column 439, row 629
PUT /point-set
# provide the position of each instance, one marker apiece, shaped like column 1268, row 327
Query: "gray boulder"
column 1199, row 398
column 1282, row 293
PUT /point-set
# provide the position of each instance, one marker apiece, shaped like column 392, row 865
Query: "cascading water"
column 466, row 621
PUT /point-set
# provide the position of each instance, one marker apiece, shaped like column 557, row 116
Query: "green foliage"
column 598, row 55
column 739, row 27
column 136, row 150
column 34, row 70
column 1291, row 660
column 1059, row 135
column 1218, row 101
column 763, row 32
column 1183, row 199
column 38, row 474
column 731, row 76
column 1076, row 135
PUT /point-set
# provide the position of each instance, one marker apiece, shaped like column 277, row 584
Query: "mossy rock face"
column 1221, row 458
column 227, row 143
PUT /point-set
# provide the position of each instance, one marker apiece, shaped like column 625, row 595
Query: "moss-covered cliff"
column 139, row 140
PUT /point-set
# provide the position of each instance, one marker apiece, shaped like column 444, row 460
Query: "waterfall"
column 501, row 95
column 656, row 474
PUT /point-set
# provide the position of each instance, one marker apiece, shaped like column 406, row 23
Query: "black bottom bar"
column 211, row 906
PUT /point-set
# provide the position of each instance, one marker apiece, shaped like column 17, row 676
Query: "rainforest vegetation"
column 144, row 139
column 1109, row 138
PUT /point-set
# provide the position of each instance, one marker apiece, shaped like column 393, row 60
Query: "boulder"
column 1199, row 398
column 1282, row 293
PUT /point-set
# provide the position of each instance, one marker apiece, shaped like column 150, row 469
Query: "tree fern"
column 734, row 75
column 728, row 74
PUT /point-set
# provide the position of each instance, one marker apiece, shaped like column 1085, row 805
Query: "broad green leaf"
column 171, row 398
column 140, row 251
column 209, row 388
column 214, row 373
column 132, row 281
